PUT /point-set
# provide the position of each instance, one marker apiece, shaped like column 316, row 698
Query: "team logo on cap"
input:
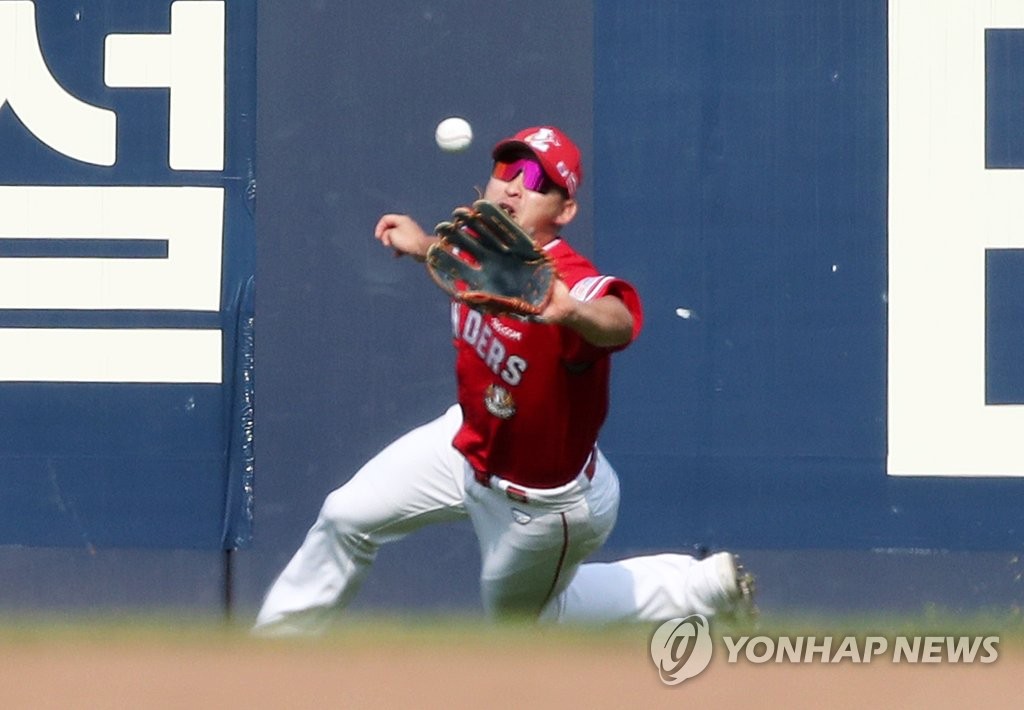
column 499, row 402
column 542, row 140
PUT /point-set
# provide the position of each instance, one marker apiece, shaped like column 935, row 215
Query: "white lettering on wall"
column 61, row 121
column 190, row 62
column 945, row 210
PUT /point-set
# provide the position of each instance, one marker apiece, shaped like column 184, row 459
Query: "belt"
column 521, row 494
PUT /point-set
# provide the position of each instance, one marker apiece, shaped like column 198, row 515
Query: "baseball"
column 453, row 134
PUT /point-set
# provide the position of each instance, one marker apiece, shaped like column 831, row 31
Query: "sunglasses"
column 534, row 177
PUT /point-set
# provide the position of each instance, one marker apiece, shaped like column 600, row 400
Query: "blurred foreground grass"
column 170, row 661
column 435, row 631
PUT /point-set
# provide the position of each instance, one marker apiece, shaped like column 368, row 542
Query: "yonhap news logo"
column 683, row 648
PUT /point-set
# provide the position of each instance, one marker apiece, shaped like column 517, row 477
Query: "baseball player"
column 517, row 454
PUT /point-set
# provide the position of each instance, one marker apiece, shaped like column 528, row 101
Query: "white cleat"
column 738, row 605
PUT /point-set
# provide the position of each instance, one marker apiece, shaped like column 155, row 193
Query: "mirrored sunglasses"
column 534, row 177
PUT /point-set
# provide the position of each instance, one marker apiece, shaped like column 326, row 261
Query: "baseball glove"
column 488, row 262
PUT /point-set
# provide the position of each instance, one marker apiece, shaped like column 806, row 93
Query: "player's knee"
column 341, row 510
column 334, row 506
column 338, row 516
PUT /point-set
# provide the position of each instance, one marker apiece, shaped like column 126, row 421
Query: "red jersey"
column 535, row 395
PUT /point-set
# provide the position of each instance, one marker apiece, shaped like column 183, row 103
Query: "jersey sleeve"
column 591, row 288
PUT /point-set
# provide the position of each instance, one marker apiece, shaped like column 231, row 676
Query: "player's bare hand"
column 560, row 306
column 403, row 235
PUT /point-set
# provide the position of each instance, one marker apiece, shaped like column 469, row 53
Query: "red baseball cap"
column 558, row 155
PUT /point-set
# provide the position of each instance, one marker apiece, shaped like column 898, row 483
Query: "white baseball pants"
column 531, row 550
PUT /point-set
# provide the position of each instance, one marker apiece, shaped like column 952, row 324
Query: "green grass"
column 354, row 630
column 1009, row 626
column 435, row 631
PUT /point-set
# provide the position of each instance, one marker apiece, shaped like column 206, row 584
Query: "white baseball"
column 453, row 134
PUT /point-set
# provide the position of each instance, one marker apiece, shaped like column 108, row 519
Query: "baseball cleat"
column 740, row 586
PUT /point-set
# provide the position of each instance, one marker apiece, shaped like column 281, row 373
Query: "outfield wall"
column 817, row 200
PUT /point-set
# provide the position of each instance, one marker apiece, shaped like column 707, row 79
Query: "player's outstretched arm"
column 403, row 235
column 605, row 321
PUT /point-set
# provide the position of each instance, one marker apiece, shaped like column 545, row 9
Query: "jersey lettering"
column 515, row 366
column 481, row 338
column 495, row 355
column 482, row 341
column 471, row 326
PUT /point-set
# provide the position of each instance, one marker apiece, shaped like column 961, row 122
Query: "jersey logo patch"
column 499, row 402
